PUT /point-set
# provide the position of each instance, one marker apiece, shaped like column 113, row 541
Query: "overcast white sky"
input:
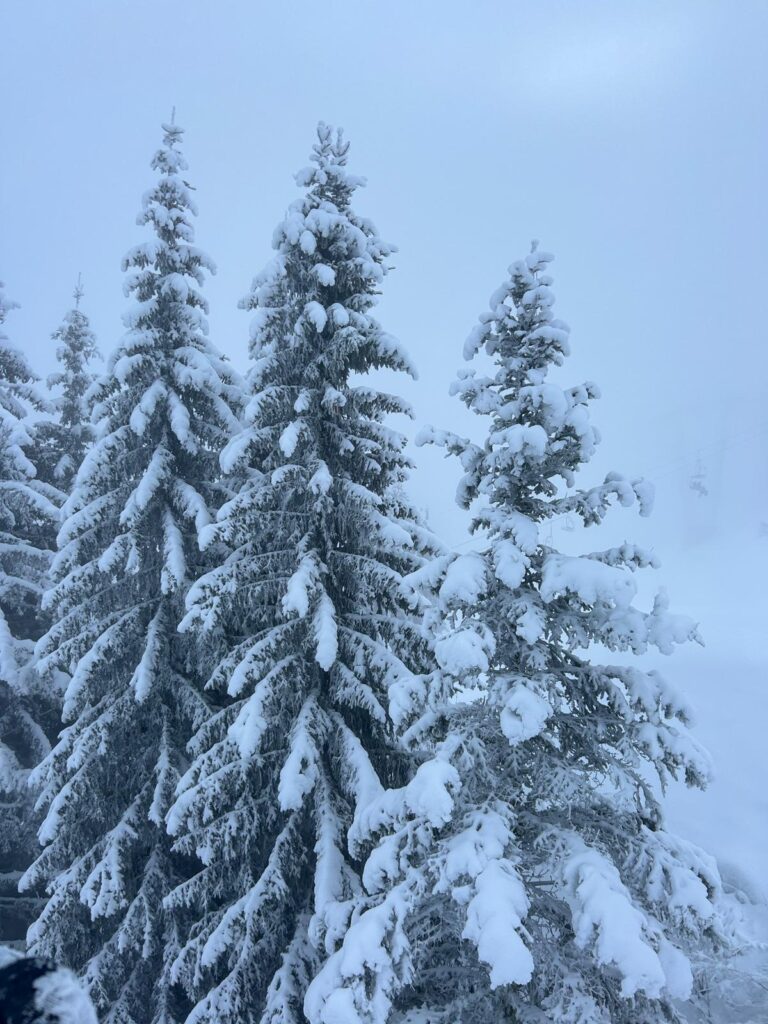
column 629, row 137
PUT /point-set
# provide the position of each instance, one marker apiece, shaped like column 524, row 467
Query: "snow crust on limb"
column 326, row 663
column 425, row 853
column 603, row 913
column 363, row 976
column 28, row 712
column 494, row 915
column 616, row 915
column 128, row 547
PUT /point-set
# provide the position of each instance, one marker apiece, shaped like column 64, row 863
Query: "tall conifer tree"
column 554, row 892
column 325, row 661
column 27, row 714
column 127, row 551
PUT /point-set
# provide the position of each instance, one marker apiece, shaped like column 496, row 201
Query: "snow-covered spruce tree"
column 61, row 442
column 570, row 755
column 127, row 551
column 324, row 667
column 27, row 715
column 554, row 892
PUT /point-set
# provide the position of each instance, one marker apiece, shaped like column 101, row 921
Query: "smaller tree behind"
column 61, row 442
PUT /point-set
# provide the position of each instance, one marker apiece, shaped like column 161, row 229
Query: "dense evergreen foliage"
column 565, row 758
column 62, row 440
column 269, row 753
column 322, row 670
column 127, row 553
column 27, row 709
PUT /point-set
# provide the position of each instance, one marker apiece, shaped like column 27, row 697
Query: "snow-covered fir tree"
column 552, row 892
column 27, row 713
column 127, row 551
column 325, row 657
column 62, row 441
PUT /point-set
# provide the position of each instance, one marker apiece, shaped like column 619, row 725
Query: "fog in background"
column 629, row 138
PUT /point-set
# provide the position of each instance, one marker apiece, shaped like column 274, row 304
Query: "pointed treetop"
column 328, row 179
column 172, row 133
column 172, row 195
column 331, row 147
column 79, row 291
